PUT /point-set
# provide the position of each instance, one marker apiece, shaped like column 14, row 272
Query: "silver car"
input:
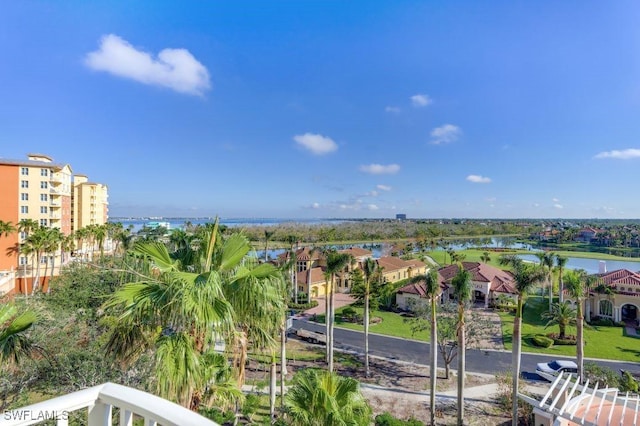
column 556, row 367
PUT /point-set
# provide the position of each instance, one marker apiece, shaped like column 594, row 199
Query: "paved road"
column 479, row 361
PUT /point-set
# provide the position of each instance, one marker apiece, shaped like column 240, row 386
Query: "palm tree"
column 462, row 290
column 321, row 398
column 563, row 315
column 189, row 309
column 336, row 262
column 267, row 237
column 578, row 284
column 546, row 263
column 100, row 233
column 26, row 226
column 369, row 269
column 54, row 239
column 14, row 344
column 525, row 277
column 35, row 244
column 561, row 261
column 6, row 228
column 432, row 291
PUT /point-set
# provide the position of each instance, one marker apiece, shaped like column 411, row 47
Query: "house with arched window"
column 616, row 297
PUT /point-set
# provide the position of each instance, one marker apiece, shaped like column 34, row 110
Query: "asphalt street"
column 479, row 361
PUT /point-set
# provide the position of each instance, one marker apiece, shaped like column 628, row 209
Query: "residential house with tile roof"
column 488, row 284
column 616, row 296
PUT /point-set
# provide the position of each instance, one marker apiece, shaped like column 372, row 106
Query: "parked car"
column 556, row 367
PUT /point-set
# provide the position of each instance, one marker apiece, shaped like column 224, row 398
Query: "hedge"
column 542, row 341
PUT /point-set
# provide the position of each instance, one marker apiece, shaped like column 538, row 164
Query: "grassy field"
column 600, row 342
column 392, row 325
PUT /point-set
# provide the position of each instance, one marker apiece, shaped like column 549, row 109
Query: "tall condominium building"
column 46, row 192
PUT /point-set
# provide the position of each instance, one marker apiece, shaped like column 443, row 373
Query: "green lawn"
column 600, row 342
column 392, row 324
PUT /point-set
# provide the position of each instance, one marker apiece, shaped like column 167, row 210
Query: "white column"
column 100, row 414
column 616, row 313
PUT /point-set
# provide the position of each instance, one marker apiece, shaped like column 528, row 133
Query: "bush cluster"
column 565, row 341
column 303, row 306
column 387, row 419
column 542, row 341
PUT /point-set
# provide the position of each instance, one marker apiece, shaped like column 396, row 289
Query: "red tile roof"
column 619, row 276
column 317, row 276
column 391, row 263
column 357, row 252
column 501, row 281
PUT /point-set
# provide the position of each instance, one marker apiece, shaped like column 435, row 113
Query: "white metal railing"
column 100, row 401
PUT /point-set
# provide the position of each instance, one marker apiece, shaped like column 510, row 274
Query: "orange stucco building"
column 41, row 190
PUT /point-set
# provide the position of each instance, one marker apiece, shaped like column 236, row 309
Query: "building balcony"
column 55, row 180
column 55, row 215
column 101, row 403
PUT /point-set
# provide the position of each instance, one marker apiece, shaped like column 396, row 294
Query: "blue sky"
column 332, row 108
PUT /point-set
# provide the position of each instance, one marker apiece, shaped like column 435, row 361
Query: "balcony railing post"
column 126, row 417
column 100, row 414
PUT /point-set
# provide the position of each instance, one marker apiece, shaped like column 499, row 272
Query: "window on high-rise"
column 24, row 171
column 43, row 209
column 23, row 260
column 24, row 183
column 43, row 222
column 24, row 209
column 44, row 172
column 44, row 184
column 44, row 197
column 24, row 196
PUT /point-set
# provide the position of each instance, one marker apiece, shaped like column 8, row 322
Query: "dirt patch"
column 399, row 388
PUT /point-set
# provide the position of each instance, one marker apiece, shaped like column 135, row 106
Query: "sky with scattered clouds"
column 305, row 109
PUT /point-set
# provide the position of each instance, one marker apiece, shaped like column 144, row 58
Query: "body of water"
column 178, row 222
column 590, row 265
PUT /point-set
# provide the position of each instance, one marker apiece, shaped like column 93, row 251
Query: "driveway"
column 340, row 299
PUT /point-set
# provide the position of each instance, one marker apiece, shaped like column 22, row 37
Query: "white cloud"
column 446, row 133
column 371, row 194
column 536, row 205
column 558, row 206
column 372, row 207
column 383, row 187
column 478, row 179
column 380, row 169
column 555, row 200
column 316, row 144
column 315, row 205
column 176, row 69
column 420, row 100
column 392, row 109
column 625, row 154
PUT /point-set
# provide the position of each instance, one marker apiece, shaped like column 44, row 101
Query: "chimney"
column 602, row 267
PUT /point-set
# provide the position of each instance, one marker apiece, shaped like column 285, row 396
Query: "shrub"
column 222, row 418
column 628, row 383
column 566, row 341
column 542, row 341
column 303, row 306
column 250, row 406
column 386, row 419
column 606, row 376
column 602, row 322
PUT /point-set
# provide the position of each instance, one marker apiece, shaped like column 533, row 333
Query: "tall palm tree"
column 14, row 344
column 53, row 241
column 35, row 244
column 561, row 261
column 336, row 262
column 432, row 291
column 462, row 289
column 369, row 269
column 100, row 233
column 525, row 277
column 546, row 264
column 321, row 398
column 267, row 237
column 26, row 226
column 578, row 285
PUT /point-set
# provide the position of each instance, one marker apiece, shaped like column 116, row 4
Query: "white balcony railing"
column 100, row 402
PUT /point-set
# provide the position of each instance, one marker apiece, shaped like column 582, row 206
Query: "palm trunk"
column 550, row 294
column 326, row 319
column 580, row 340
column 272, row 389
column 366, row 332
column 331, row 320
column 561, row 289
column 46, row 269
column 241, row 356
column 433, row 365
column 53, row 267
column 461, row 363
column 283, row 360
column 515, row 361
column 36, row 280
